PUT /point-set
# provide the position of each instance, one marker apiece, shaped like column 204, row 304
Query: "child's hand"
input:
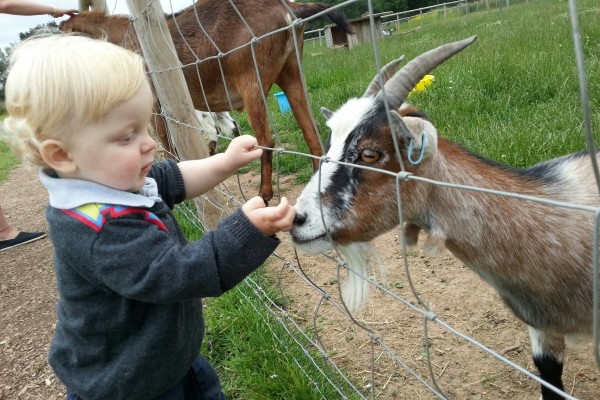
column 269, row 220
column 241, row 151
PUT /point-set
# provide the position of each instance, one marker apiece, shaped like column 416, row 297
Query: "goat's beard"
column 360, row 259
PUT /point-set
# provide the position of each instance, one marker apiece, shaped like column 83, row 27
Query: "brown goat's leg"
column 257, row 116
column 548, row 351
column 266, row 172
column 160, row 128
column 289, row 81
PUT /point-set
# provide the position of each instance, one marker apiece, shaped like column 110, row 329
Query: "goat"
column 537, row 257
column 210, row 31
column 220, row 123
column 217, row 124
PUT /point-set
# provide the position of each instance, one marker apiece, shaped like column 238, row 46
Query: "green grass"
column 7, row 160
column 255, row 356
column 512, row 96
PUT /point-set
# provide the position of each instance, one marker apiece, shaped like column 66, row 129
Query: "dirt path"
column 27, row 296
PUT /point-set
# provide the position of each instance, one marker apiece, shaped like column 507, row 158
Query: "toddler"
column 130, row 322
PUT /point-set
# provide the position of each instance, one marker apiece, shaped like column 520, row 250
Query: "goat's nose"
column 299, row 219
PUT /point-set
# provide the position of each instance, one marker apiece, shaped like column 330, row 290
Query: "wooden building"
column 335, row 36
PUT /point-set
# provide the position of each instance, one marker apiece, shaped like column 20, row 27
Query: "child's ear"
column 56, row 156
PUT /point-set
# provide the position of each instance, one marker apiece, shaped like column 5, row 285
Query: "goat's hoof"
column 266, row 197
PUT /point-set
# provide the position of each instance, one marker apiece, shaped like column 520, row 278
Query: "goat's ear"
column 326, row 113
column 420, row 136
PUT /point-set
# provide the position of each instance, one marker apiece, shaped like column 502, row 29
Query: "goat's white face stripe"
column 342, row 123
column 344, row 120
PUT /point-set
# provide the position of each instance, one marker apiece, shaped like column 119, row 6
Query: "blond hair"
column 56, row 84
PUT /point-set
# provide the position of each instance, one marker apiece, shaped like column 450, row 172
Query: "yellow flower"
column 423, row 84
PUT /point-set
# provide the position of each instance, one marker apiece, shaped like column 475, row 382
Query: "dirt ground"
column 455, row 294
column 27, row 296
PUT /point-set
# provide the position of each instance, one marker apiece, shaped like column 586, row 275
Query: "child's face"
column 117, row 151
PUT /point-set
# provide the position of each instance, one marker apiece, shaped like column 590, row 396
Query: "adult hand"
column 269, row 220
column 59, row 12
column 27, row 7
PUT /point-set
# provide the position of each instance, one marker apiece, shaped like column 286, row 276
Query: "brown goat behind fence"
column 221, row 53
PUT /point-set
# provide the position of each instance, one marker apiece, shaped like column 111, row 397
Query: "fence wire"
column 313, row 332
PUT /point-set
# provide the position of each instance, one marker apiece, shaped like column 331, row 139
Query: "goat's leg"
column 160, row 128
column 548, row 353
column 289, row 80
column 411, row 234
column 257, row 116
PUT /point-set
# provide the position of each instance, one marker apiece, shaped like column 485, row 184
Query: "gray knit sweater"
column 130, row 286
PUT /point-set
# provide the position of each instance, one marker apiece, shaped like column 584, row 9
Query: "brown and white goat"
column 213, row 32
column 538, row 257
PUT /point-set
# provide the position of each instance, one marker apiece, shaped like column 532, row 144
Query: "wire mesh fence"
column 409, row 342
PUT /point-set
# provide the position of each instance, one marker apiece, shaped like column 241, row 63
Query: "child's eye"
column 127, row 138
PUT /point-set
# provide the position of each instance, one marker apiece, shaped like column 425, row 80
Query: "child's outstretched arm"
column 269, row 220
column 200, row 176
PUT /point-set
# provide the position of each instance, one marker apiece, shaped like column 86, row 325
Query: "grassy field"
column 512, row 96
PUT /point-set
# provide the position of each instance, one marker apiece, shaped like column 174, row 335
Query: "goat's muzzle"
column 299, row 219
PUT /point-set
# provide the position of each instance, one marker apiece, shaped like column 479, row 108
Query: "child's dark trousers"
column 200, row 383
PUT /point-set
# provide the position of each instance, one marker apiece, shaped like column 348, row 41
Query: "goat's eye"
column 369, row 156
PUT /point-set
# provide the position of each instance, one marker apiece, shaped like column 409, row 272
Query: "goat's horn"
column 386, row 73
column 398, row 87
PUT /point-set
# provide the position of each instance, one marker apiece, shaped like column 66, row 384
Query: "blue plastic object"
column 284, row 105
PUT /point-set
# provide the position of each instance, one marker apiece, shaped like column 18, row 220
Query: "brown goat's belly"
column 562, row 311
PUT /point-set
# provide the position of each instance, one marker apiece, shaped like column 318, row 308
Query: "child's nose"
column 149, row 144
